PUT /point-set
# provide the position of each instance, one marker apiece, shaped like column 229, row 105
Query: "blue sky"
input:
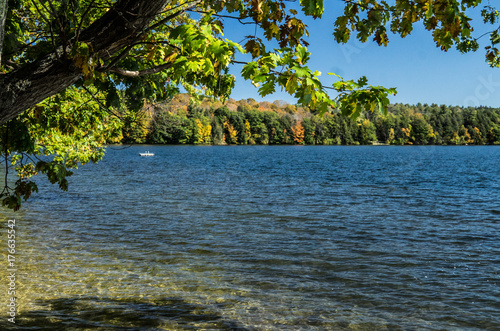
column 420, row 71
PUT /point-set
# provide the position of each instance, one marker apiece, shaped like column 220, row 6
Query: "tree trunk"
column 52, row 73
column 3, row 16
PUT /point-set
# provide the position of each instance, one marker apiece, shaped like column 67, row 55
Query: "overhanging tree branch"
column 50, row 74
column 176, row 14
column 125, row 52
column 150, row 71
column 80, row 25
column 49, row 24
column 239, row 19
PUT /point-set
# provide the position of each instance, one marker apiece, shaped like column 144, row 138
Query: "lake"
column 265, row 238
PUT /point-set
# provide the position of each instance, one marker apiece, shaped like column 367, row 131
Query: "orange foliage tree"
column 298, row 133
column 230, row 134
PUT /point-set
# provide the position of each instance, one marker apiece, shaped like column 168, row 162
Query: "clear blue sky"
column 420, row 71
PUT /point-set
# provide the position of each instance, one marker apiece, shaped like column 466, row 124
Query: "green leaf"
column 302, row 54
column 313, row 8
column 291, row 84
column 323, row 107
column 495, row 37
column 208, row 67
column 306, row 99
column 235, row 45
column 249, row 70
column 429, row 12
column 362, row 81
column 267, row 88
column 301, row 72
column 381, row 107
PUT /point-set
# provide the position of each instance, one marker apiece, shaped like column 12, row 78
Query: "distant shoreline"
column 247, row 122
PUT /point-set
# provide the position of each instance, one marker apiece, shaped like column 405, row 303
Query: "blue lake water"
column 267, row 238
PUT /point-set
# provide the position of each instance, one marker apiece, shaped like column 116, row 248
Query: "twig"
column 174, row 15
column 80, row 25
column 100, row 103
column 240, row 19
column 150, row 71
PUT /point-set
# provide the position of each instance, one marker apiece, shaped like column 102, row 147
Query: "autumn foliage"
column 248, row 122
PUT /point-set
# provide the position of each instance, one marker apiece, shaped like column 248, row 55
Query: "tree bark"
column 50, row 74
column 3, row 17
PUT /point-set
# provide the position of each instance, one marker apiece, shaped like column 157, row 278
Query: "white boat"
column 147, row 154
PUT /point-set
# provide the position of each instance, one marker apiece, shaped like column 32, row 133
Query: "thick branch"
column 144, row 72
column 50, row 74
column 31, row 84
column 175, row 14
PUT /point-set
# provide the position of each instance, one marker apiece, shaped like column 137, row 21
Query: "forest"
column 248, row 122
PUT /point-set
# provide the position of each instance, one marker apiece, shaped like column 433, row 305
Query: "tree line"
column 248, row 122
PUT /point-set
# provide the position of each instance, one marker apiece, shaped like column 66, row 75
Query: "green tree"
column 367, row 132
column 494, row 135
column 261, row 135
column 385, row 128
column 168, row 128
column 217, row 131
column 422, row 132
column 286, row 124
column 237, row 120
column 309, row 131
column 136, row 126
column 319, row 134
column 274, row 128
column 334, row 130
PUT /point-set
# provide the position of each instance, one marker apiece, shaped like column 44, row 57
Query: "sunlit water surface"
column 265, row 238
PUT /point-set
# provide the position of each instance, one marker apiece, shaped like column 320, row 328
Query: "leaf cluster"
column 448, row 20
column 52, row 138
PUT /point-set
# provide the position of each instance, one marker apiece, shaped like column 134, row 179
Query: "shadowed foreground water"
column 266, row 238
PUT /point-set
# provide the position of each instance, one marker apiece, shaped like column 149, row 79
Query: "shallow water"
column 266, row 238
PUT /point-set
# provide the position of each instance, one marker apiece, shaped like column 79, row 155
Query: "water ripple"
column 274, row 238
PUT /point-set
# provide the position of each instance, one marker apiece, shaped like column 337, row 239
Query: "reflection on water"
column 123, row 314
column 267, row 238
